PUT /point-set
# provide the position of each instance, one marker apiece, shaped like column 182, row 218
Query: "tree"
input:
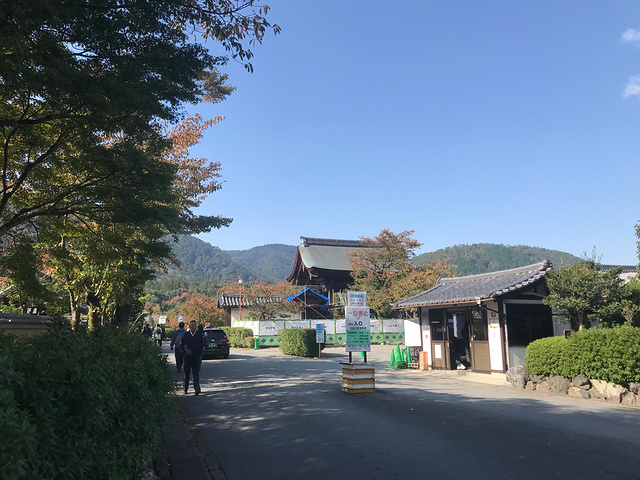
column 197, row 307
column 585, row 293
column 264, row 301
column 385, row 272
column 85, row 84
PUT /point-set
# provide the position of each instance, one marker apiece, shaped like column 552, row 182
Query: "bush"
column 298, row 341
column 609, row 354
column 239, row 337
column 544, row 356
column 168, row 333
column 80, row 405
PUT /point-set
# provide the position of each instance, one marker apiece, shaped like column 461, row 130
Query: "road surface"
column 267, row 416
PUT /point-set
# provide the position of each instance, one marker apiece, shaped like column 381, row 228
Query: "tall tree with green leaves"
column 84, row 85
column 90, row 91
column 585, row 293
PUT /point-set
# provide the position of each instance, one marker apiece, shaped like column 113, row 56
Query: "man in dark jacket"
column 192, row 346
column 175, row 340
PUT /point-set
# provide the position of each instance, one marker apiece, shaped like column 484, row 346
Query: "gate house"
column 481, row 322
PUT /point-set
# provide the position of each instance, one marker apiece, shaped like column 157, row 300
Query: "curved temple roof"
column 478, row 287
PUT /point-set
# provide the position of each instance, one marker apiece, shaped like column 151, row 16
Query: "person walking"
column 192, row 345
column 146, row 331
column 157, row 333
column 175, row 341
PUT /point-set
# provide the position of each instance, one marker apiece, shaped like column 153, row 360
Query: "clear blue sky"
column 497, row 121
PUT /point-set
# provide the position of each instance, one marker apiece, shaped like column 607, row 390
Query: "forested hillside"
column 203, row 266
column 489, row 257
column 203, row 262
column 272, row 262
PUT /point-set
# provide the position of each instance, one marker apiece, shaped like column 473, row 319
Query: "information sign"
column 358, row 329
column 180, row 318
column 162, row 320
column 356, row 299
column 320, row 333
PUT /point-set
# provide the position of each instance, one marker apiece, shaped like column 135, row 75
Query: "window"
column 436, row 318
column 528, row 322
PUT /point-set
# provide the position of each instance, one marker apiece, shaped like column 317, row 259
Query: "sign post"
column 320, row 337
column 358, row 329
column 162, row 320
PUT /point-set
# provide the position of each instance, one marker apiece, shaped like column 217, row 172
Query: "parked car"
column 216, row 343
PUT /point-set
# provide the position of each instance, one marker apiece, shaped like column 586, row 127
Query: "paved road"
column 266, row 416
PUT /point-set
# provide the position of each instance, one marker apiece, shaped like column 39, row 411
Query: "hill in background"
column 272, row 262
column 202, row 262
column 489, row 257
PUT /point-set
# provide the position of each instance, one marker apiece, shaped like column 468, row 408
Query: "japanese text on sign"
column 358, row 329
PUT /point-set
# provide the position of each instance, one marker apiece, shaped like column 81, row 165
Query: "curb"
column 183, row 454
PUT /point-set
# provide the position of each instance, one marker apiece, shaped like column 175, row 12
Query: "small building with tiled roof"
column 480, row 322
column 19, row 324
column 323, row 264
column 314, row 305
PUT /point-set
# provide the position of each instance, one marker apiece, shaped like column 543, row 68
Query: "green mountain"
column 200, row 261
column 272, row 262
column 489, row 257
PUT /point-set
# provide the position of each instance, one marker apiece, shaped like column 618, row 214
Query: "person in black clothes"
column 192, row 344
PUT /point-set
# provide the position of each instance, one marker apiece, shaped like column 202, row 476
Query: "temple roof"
column 323, row 254
column 473, row 288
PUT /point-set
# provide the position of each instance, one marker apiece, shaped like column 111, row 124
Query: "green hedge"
column 545, row 356
column 610, row 354
column 239, row 337
column 298, row 341
column 80, row 405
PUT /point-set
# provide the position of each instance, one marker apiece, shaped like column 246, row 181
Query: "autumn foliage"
column 386, row 273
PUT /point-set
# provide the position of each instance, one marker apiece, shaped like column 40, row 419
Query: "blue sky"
column 469, row 122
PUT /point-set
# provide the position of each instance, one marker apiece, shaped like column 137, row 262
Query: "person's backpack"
column 179, row 335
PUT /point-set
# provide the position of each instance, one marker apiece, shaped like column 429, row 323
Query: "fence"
column 266, row 331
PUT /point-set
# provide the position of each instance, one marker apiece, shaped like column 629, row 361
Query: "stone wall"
column 578, row 387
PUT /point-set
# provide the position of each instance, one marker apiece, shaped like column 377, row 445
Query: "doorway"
column 459, row 339
column 450, row 348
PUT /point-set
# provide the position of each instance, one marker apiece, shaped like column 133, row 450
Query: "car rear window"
column 215, row 334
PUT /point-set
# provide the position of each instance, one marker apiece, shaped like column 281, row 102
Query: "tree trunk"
column 75, row 313
column 92, row 318
column 584, row 321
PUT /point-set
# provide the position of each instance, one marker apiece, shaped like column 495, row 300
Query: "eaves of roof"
column 234, row 300
column 474, row 288
column 19, row 319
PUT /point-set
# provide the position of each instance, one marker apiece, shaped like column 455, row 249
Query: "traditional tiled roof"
column 233, row 301
column 19, row 319
column 625, row 268
column 478, row 287
column 328, row 254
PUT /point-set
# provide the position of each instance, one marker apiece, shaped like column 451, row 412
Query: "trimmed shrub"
column 609, row 354
column 545, row 356
column 168, row 333
column 298, row 341
column 80, row 405
column 239, row 337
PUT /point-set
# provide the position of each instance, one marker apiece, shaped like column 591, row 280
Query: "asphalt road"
column 266, row 416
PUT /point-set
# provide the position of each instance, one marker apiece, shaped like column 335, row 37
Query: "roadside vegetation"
column 80, row 405
column 609, row 354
